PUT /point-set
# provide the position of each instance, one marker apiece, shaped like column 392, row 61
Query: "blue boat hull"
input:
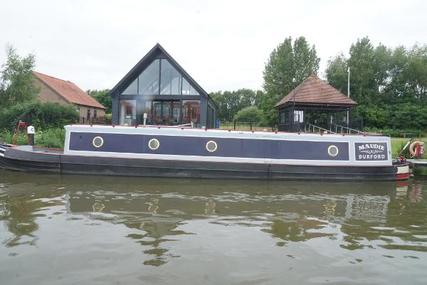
column 56, row 162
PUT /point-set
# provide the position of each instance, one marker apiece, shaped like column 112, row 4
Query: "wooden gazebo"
column 313, row 102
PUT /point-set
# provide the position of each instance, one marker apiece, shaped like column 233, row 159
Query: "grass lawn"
column 398, row 143
column 243, row 127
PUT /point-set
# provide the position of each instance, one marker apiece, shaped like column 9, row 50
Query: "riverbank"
column 53, row 138
column 398, row 143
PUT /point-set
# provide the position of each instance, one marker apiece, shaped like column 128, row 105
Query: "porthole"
column 98, row 141
column 153, row 144
column 211, row 146
column 333, row 150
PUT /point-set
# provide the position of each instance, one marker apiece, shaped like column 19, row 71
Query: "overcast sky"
column 223, row 44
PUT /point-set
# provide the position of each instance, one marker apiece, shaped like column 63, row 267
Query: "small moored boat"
column 187, row 152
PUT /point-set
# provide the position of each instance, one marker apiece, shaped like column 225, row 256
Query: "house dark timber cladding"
column 160, row 88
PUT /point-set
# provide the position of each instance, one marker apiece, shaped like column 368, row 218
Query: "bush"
column 53, row 138
column 7, row 136
column 50, row 138
column 401, row 116
column 249, row 114
column 41, row 115
column 108, row 118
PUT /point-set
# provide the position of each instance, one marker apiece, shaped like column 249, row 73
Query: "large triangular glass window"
column 132, row 88
column 187, row 89
column 170, row 79
column 149, row 79
column 160, row 78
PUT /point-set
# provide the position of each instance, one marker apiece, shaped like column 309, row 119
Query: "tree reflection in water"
column 157, row 210
column 300, row 229
column 20, row 207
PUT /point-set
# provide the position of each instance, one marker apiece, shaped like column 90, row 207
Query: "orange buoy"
column 416, row 149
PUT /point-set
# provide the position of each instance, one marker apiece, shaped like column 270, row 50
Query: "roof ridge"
column 44, row 74
column 315, row 90
column 68, row 90
column 50, row 85
column 293, row 92
column 148, row 58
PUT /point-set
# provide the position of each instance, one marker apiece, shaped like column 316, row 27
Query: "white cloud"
column 222, row 44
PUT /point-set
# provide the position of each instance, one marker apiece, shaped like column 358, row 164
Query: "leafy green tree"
column 289, row 64
column 16, row 81
column 18, row 97
column 230, row 102
column 416, row 73
column 389, row 85
column 336, row 73
column 103, row 97
column 41, row 115
column 249, row 114
column 364, row 84
column 396, row 91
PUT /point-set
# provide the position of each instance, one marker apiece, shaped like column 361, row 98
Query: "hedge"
column 41, row 115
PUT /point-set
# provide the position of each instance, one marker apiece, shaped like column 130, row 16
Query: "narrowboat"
column 210, row 153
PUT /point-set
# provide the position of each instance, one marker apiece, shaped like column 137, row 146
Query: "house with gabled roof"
column 312, row 101
column 158, row 91
column 55, row 90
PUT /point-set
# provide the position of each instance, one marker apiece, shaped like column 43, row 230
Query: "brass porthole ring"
column 333, row 150
column 98, row 141
column 211, row 146
column 153, row 144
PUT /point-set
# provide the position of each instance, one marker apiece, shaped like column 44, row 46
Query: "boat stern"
column 402, row 171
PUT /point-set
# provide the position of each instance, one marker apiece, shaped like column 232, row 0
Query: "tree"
column 362, row 62
column 16, row 79
column 103, row 97
column 416, row 72
column 289, row 64
column 389, row 85
column 249, row 114
column 336, row 73
column 41, row 115
column 230, row 102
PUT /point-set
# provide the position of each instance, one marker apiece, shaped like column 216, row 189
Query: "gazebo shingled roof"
column 314, row 91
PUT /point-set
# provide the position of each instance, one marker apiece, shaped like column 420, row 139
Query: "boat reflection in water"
column 178, row 219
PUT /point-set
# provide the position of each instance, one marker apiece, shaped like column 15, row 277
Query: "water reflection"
column 159, row 213
column 299, row 229
column 19, row 210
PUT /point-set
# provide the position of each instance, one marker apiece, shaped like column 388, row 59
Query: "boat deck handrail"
column 343, row 129
column 312, row 128
column 308, row 129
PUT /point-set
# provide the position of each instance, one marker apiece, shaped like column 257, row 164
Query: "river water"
column 109, row 230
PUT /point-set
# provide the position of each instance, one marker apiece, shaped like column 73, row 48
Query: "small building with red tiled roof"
column 304, row 105
column 55, row 90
